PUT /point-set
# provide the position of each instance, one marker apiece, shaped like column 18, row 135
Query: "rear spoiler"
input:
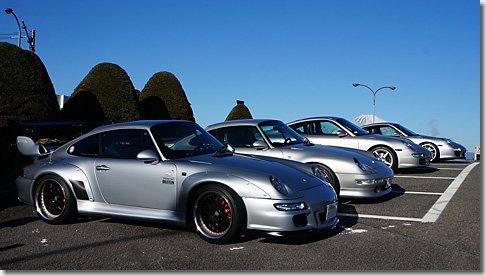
column 27, row 147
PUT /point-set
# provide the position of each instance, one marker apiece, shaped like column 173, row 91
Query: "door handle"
column 102, row 168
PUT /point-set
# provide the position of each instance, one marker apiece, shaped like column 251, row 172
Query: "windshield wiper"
column 225, row 150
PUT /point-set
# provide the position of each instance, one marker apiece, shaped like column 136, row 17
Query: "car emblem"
column 305, row 180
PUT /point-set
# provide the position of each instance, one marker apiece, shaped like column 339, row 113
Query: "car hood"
column 257, row 170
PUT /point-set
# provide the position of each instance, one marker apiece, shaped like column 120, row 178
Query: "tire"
column 331, row 177
column 388, row 157
column 434, row 150
column 219, row 214
column 54, row 201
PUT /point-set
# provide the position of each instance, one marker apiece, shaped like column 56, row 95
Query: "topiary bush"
column 163, row 98
column 26, row 90
column 112, row 90
column 239, row 112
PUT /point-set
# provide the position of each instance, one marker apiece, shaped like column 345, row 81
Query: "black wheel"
column 54, row 202
column 434, row 150
column 388, row 157
column 330, row 176
column 219, row 214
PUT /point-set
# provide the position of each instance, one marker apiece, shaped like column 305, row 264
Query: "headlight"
column 278, row 185
column 359, row 164
column 290, row 206
column 409, row 145
column 319, row 174
column 448, row 141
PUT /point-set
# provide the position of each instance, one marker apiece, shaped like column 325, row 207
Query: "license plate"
column 332, row 210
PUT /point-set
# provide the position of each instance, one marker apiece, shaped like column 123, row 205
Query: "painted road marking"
column 425, row 177
column 416, row 193
column 434, row 212
column 442, row 202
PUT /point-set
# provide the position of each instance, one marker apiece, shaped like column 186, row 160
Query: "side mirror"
column 396, row 134
column 27, row 147
column 148, row 155
column 341, row 133
column 260, row 145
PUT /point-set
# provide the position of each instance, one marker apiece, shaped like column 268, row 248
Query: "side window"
column 328, row 128
column 387, row 131
column 240, row 136
column 87, row 147
column 125, row 144
column 299, row 128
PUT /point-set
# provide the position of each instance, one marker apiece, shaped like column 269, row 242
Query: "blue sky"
column 286, row 59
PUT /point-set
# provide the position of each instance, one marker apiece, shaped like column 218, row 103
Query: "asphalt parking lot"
column 431, row 221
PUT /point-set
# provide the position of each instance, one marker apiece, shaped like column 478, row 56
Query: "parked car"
column 396, row 153
column 353, row 173
column 174, row 172
column 441, row 148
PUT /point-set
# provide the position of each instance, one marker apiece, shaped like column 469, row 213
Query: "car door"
column 243, row 139
column 324, row 132
column 125, row 180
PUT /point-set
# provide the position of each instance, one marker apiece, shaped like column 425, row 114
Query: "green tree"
column 163, row 98
column 26, row 90
column 107, row 86
column 239, row 112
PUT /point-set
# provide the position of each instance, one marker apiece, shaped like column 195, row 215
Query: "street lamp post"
column 374, row 94
column 10, row 11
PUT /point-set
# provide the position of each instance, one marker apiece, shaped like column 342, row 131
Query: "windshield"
column 279, row 134
column 405, row 130
column 184, row 139
column 356, row 130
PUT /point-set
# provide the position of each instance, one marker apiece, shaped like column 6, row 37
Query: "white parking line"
column 442, row 202
column 378, row 217
column 416, row 193
column 439, row 205
column 425, row 177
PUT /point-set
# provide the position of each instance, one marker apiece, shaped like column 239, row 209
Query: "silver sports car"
column 353, row 173
column 441, row 148
column 335, row 131
column 174, row 172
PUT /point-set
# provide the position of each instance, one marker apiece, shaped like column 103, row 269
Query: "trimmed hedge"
column 239, row 112
column 109, row 88
column 26, row 90
column 163, row 98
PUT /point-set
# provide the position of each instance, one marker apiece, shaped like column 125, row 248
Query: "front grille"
column 322, row 217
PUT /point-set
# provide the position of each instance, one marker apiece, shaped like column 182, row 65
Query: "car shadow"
column 418, row 170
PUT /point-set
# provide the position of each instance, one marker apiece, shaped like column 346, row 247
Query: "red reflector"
column 22, row 174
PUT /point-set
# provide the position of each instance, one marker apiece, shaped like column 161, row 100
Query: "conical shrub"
column 239, row 112
column 112, row 90
column 163, row 98
column 26, row 90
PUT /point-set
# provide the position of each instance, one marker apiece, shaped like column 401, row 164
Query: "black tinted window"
column 239, row 136
column 86, row 147
column 125, row 143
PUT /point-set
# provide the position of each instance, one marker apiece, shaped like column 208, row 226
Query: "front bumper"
column 448, row 152
column 413, row 159
column 320, row 215
column 366, row 185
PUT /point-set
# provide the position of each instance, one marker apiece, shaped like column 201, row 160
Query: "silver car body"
column 338, row 131
column 155, row 183
column 441, row 148
column 265, row 138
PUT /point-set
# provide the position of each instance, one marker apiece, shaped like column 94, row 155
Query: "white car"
column 334, row 131
column 441, row 148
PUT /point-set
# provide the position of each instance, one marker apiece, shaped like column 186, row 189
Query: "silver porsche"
column 353, row 173
column 396, row 153
column 174, row 172
column 441, row 148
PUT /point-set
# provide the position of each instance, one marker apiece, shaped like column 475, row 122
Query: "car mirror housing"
column 396, row 134
column 148, row 155
column 260, row 145
column 341, row 133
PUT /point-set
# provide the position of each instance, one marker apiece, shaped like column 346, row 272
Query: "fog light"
column 290, row 206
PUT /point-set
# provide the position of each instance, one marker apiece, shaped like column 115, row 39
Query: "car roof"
column 316, row 118
column 379, row 124
column 145, row 124
column 247, row 122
